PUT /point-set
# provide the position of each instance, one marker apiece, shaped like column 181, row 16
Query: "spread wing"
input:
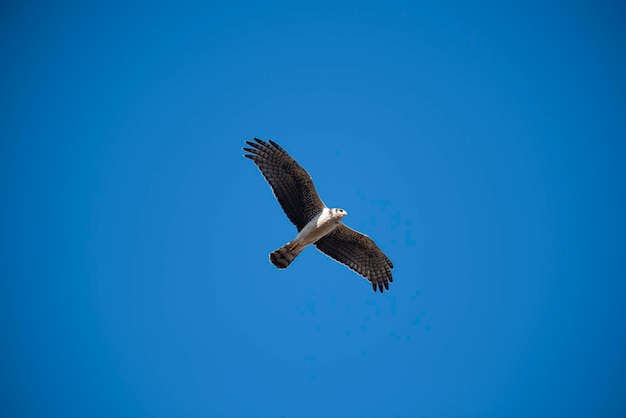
column 291, row 184
column 360, row 253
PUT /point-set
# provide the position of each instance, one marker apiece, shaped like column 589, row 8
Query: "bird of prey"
column 316, row 223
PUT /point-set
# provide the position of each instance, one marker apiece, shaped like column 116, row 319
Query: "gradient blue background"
column 482, row 146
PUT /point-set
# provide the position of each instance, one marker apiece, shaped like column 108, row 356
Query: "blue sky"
column 481, row 146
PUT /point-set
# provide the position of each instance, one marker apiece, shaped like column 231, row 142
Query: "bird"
column 316, row 223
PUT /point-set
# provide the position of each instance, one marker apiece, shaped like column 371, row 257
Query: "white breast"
column 319, row 226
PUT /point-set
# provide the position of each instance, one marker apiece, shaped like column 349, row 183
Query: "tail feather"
column 283, row 256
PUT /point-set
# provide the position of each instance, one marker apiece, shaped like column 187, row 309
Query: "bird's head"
column 338, row 213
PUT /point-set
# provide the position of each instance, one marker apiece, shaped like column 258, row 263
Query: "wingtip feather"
column 255, row 145
column 275, row 145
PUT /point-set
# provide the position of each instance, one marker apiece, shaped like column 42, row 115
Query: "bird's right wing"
column 360, row 253
column 291, row 184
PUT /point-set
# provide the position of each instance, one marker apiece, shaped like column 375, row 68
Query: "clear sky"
column 481, row 146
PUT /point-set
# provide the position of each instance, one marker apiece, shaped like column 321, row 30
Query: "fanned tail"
column 283, row 256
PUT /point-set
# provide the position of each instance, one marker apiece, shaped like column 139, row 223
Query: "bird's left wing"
column 360, row 253
column 291, row 184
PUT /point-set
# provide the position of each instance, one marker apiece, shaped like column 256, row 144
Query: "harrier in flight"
column 316, row 223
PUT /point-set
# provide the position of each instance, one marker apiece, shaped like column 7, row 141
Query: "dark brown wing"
column 290, row 183
column 360, row 253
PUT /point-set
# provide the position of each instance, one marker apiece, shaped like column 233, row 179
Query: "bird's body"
column 323, row 223
column 316, row 223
